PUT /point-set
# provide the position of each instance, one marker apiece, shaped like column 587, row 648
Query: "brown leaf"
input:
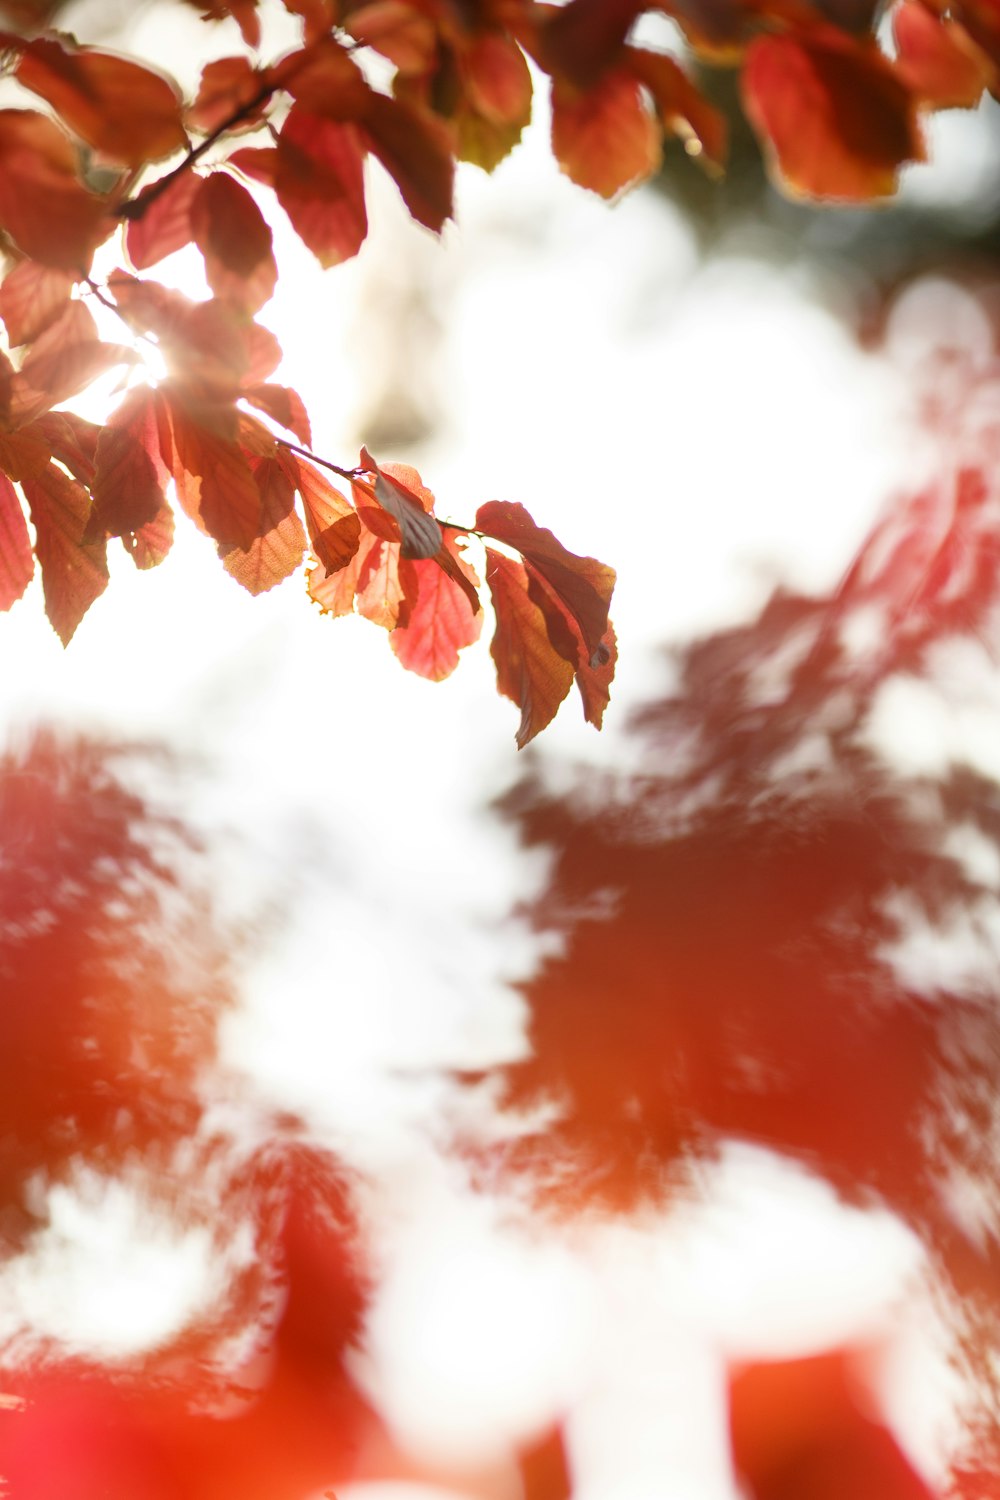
column 319, row 182
column 74, row 572
column 529, row 670
column 17, row 561
column 583, row 584
column 235, row 240
column 128, row 112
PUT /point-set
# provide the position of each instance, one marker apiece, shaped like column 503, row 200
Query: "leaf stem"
column 326, row 463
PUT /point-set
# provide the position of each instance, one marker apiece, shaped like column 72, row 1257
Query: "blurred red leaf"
column 32, row 298
column 164, row 226
column 319, row 181
column 833, row 115
column 530, row 671
column 683, row 110
column 415, row 148
column 74, row 572
column 938, row 59
column 63, row 361
column 604, row 138
column 128, row 112
column 235, row 240
column 17, row 562
column 228, row 86
column 283, row 405
column 496, row 79
column 44, row 206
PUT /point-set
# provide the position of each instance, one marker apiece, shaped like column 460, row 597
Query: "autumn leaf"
column 583, row 584
column 530, row 671
column 148, row 546
column 214, row 482
column 386, row 584
column 63, row 361
column 129, row 487
column 593, row 671
column 32, row 298
column 834, row 117
column 159, row 222
column 496, row 79
column 235, row 240
column 938, row 59
column 128, row 112
column 408, row 506
column 74, row 572
column 44, row 206
column 682, row 109
column 229, row 86
column 276, row 553
column 441, row 620
column 415, row 149
column 319, row 182
column 283, row 406
column 604, row 138
column 333, row 524
column 17, row 562
column 399, row 31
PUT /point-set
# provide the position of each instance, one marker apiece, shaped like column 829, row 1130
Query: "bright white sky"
column 705, row 429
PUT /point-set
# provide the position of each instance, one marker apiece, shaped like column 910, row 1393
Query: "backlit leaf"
column 386, row 585
column 129, row 486
column 604, row 138
column 214, row 482
column 319, row 182
column 333, row 524
column 277, row 552
column 32, row 298
column 44, row 206
column 833, row 115
column 583, row 584
column 128, row 112
column 408, row 505
column 165, row 226
column 228, row 85
column 283, row 406
column 593, row 670
column 235, row 240
column 441, row 620
column 17, row 562
column 496, row 79
column 529, row 669
column 63, row 361
column 682, row 109
column 74, row 572
column 414, row 146
column 937, row 58
column 148, row 546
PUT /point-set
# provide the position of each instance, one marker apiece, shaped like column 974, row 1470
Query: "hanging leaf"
column 74, row 572
column 17, row 562
column 530, row 671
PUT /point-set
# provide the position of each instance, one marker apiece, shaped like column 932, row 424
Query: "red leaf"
column 325, row 80
column 409, row 507
column 604, row 139
column 582, row 40
column 386, row 585
column 682, row 109
column 165, row 226
column 407, row 38
column 235, row 239
column 74, row 572
column 63, row 361
column 23, row 453
column 148, row 546
column 277, row 552
column 334, row 528
column 17, row 562
column 283, row 406
column 415, row 148
column 319, row 182
column 214, row 482
column 129, row 113
column 441, row 619
column 257, row 162
column 833, row 115
column 32, row 298
column 72, row 440
column 937, row 58
column 129, row 486
column 529, row 670
column 583, row 584
column 228, row 85
column 334, row 590
column 44, row 207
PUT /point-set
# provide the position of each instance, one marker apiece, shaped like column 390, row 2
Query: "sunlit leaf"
column 319, row 181
column 415, row 149
column 937, row 58
column 74, row 572
column 604, row 138
column 441, row 621
column 276, row 553
column 283, row 406
column 44, row 206
column 530, row 671
column 235, row 240
column 407, row 504
column 32, row 298
column 130, row 479
column 17, row 562
column 164, row 226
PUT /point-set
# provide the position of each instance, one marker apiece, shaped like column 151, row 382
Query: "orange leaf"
column 148, row 546
column 283, row 406
column 441, row 619
column 23, row 453
column 130, row 481
column 334, row 528
column 496, row 78
column 319, row 182
column 334, row 589
column 325, row 80
column 129, row 113
column 682, row 109
column 580, row 41
column 235, row 239
column 260, row 163
column 72, row 440
column 32, row 298
column 386, row 585
column 228, row 85
column 44, row 207
column 397, row 30
column 832, row 114
column 165, row 226
column 214, row 482
column 604, row 139
column 415, row 148
column 938, row 59
column 583, row 584
column 74, row 572
column 594, row 671
column 63, row 361
column 17, row 562
column 277, row 552
column 529, row 670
